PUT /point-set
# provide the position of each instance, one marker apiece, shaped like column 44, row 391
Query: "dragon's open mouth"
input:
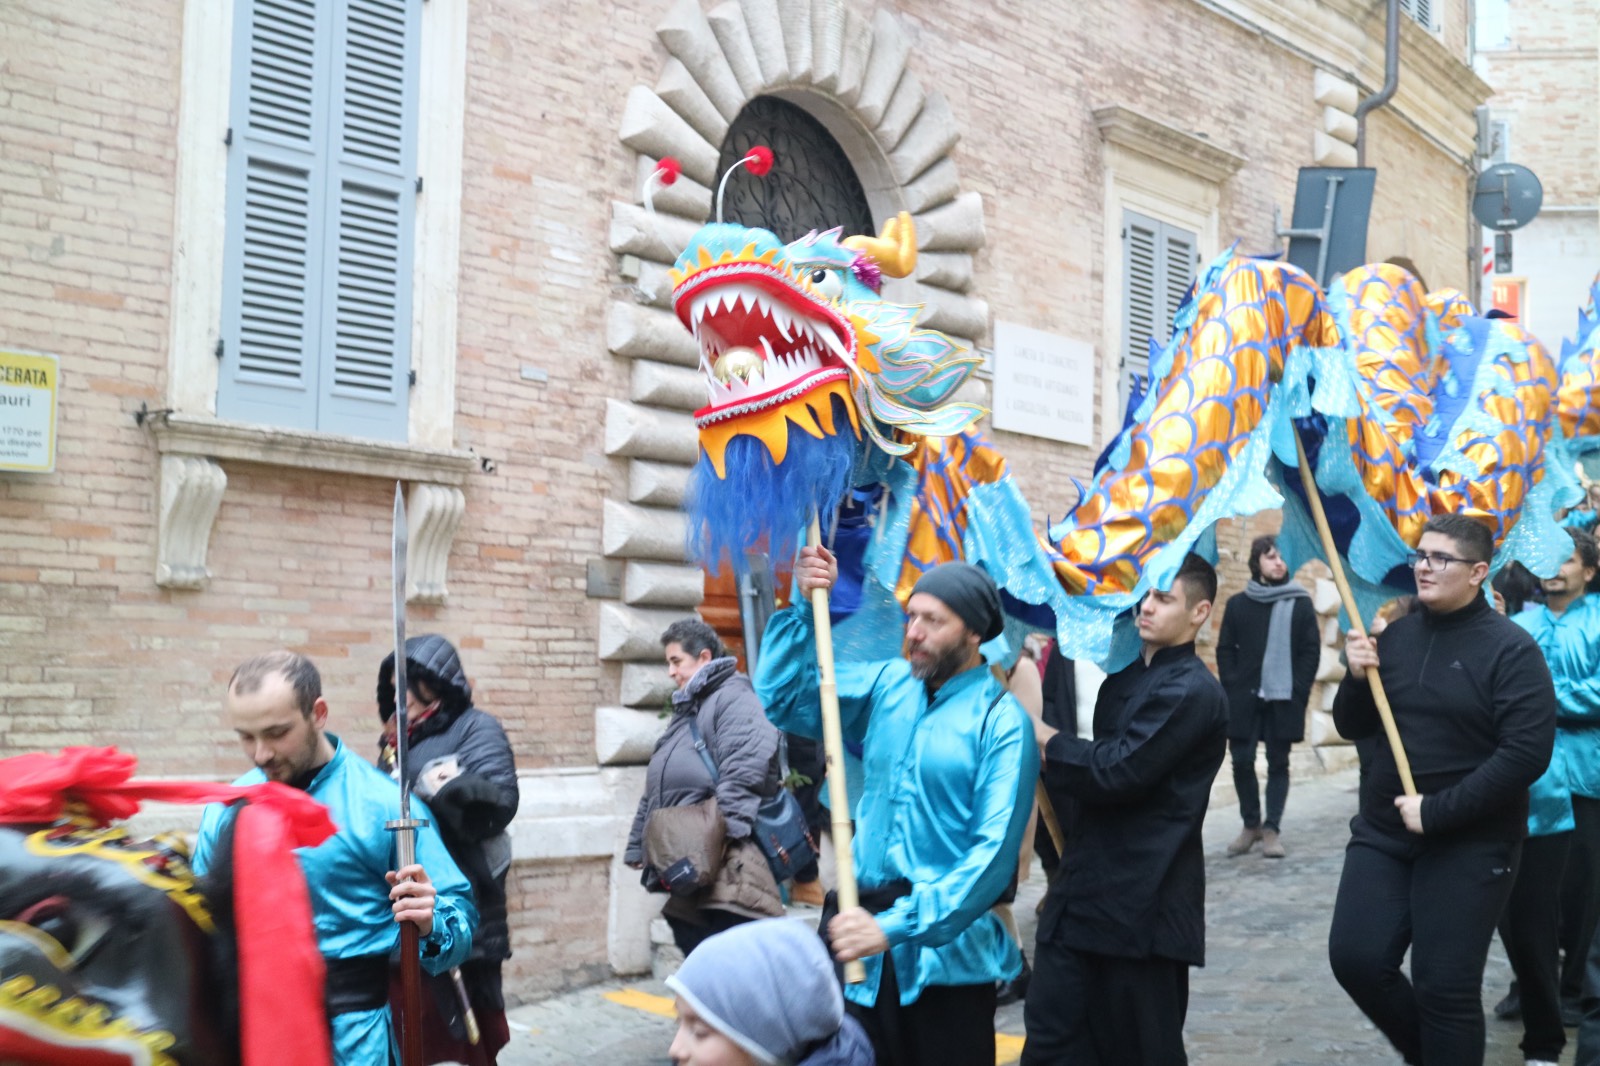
column 763, row 341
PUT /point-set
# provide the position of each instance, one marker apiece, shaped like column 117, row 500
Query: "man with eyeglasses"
column 1476, row 709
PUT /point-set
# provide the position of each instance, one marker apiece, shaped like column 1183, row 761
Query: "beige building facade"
column 1543, row 62
column 478, row 254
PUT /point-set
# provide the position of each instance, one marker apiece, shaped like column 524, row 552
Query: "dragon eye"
column 826, row 281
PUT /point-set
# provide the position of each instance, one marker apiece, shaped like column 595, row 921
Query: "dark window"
column 812, row 185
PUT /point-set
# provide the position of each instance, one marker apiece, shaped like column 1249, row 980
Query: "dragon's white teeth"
column 767, row 346
column 835, row 345
column 784, row 322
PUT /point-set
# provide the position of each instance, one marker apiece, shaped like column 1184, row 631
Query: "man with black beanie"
column 1476, row 710
column 1125, row 918
column 950, row 771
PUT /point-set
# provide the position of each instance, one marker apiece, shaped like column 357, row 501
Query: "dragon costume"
column 826, row 398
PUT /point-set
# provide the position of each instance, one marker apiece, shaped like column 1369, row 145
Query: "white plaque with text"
column 1043, row 384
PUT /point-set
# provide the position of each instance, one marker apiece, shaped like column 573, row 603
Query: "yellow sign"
column 28, row 411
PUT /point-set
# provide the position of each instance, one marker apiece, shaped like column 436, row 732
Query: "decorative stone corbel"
column 191, row 492
column 433, row 513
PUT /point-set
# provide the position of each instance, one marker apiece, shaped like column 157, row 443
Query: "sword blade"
column 401, row 741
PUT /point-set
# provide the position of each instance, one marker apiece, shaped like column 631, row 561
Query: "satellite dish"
column 1506, row 196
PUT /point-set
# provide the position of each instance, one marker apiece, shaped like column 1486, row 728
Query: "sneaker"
column 1540, row 1062
column 1243, row 842
column 1271, row 845
column 1510, row 1008
column 806, row 893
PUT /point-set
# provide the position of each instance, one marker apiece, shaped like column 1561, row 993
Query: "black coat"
column 1132, row 882
column 474, row 808
column 1240, row 646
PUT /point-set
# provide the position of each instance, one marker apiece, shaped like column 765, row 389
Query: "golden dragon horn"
column 894, row 250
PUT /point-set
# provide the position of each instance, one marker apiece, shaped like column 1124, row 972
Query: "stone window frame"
column 189, row 436
column 1168, row 174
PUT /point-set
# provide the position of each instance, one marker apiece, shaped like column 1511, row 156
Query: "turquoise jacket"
column 1571, row 645
column 947, row 792
column 349, row 896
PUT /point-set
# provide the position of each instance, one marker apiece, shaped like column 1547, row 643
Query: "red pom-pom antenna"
column 668, row 169
column 759, row 160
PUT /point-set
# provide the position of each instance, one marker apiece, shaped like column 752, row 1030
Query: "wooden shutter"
column 316, row 323
column 365, row 376
column 1159, row 264
column 273, row 260
column 1142, row 300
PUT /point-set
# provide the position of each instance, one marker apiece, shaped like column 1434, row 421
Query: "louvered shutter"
column 1178, row 266
column 1159, row 265
column 1142, row 302
column 272, row 267
column 316, row 323
column 1421, row 11
column 372, row 192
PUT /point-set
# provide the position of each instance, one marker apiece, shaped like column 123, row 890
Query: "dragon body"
column 826, row 398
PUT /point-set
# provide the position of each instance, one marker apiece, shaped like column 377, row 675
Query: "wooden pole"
column 1331, row 551
column 833, row 750
column 1051, row 823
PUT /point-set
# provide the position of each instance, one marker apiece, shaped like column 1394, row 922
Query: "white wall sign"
column 1043, row 384
column 28, row 412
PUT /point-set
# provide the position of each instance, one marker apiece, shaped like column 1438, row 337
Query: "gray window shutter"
column 316, row 324
column 372, row 208
column 1142, row 302
column 273, row 260
column 1179, row 263
column 1159, row 266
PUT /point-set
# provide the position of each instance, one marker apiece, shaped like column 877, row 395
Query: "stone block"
column 1325, row 597
column 634, row 532
column 953, row 227
column 663, row 585
column 687, row 35
column 765, row 27
column 639, row 332
column 890, row 51
column 646, row 686
column 930, row 139
column 728, row 26
column 679, row 89
column 1330, row 668
column 633, row 634
column 661, row 484
column 653, row 128
column 633, row 233
column 667, row 386
column 636, row 432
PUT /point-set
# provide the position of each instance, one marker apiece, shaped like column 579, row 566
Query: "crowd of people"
column 962, row 748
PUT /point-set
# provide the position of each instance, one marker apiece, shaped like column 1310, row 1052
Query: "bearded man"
column 950, row 766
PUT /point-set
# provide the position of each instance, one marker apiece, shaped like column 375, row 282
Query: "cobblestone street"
column 1266, row 995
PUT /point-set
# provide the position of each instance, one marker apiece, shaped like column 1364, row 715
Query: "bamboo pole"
column 1051, row 822
column 833, row 749
column 1331, row 551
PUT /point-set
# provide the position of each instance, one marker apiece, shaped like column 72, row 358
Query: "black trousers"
column 687, row 935
column 1244, row 781
column 948, row 1025
column 1529, row 930
column 1580, row 895
column 1086, row 1009
column 1440, row 900
column 1589, row 1027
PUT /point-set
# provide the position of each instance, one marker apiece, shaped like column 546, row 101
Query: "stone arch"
column 851, row 69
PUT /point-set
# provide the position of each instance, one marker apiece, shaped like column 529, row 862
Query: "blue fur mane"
column 730, row 516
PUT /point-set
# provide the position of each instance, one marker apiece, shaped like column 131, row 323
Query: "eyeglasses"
column 1432, row 561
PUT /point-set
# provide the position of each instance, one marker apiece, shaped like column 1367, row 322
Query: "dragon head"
column 811, row 374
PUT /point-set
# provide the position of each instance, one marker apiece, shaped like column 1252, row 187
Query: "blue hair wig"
column 764, row 505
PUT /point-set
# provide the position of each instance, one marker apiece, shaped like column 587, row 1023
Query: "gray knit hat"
column 767, row 985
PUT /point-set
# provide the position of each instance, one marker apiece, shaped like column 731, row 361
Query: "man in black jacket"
column 1125, row 918
column 1267, row 655
column 1476, row 709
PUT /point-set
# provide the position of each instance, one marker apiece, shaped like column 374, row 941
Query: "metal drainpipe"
column 1391, row 80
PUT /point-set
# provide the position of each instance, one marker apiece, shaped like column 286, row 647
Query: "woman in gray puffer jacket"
column 460, row 763
column 744, row 747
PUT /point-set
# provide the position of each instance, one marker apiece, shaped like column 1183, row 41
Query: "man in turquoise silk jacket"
column 1567, row 628
column 275, row 706
column 950, row 765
